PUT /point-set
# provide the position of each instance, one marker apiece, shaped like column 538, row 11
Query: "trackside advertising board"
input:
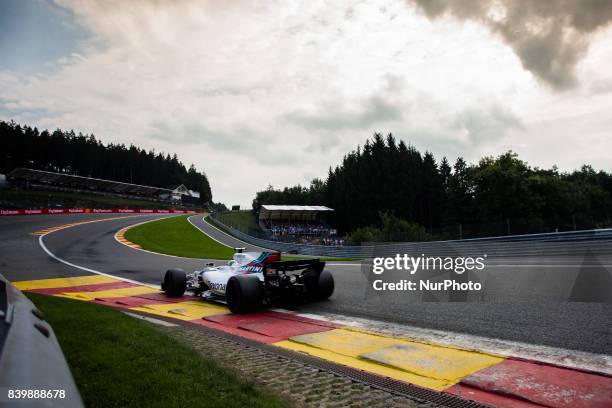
column 50, row 211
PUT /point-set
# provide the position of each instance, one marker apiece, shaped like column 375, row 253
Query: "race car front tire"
column 244, row 293
column 319, row 286
column 175, row 282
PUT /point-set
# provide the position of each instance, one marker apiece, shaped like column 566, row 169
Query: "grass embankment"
column 119, row 361
column 241, row 220
column 176, row 236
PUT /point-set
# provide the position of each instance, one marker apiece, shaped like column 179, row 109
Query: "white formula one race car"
column 252, row 279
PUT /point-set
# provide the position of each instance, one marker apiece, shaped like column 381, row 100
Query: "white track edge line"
column 570, row 359
column 204, row 232
column 83, row 268
column 231, row 236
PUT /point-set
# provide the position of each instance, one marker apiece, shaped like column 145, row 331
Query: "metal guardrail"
column 30, row 356
column 550, row 244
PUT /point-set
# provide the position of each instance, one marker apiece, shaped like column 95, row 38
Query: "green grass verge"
column 176, row 236
column 119, row 361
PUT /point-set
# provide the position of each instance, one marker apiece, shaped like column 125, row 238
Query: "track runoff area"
column 486, row 371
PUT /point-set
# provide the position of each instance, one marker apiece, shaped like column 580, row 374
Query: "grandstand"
column 29, row 178
column 298, row 223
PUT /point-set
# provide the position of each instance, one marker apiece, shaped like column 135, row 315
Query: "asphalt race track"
column 569, row 325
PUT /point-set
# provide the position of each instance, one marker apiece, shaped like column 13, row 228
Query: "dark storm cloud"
column 333, row 116
column 549, row 36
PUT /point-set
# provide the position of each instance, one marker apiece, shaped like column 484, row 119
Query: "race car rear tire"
column 244, row 293
column 319, row 286
column 175, row 282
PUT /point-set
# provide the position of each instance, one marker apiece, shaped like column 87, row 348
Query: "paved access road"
column 580, row 326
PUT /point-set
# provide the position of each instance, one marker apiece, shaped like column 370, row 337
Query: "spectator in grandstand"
column 301, row 229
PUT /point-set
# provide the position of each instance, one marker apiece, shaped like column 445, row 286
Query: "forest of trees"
column 497, row 196
column 84, row 155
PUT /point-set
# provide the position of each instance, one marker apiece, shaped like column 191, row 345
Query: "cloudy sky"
column 274, row 92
